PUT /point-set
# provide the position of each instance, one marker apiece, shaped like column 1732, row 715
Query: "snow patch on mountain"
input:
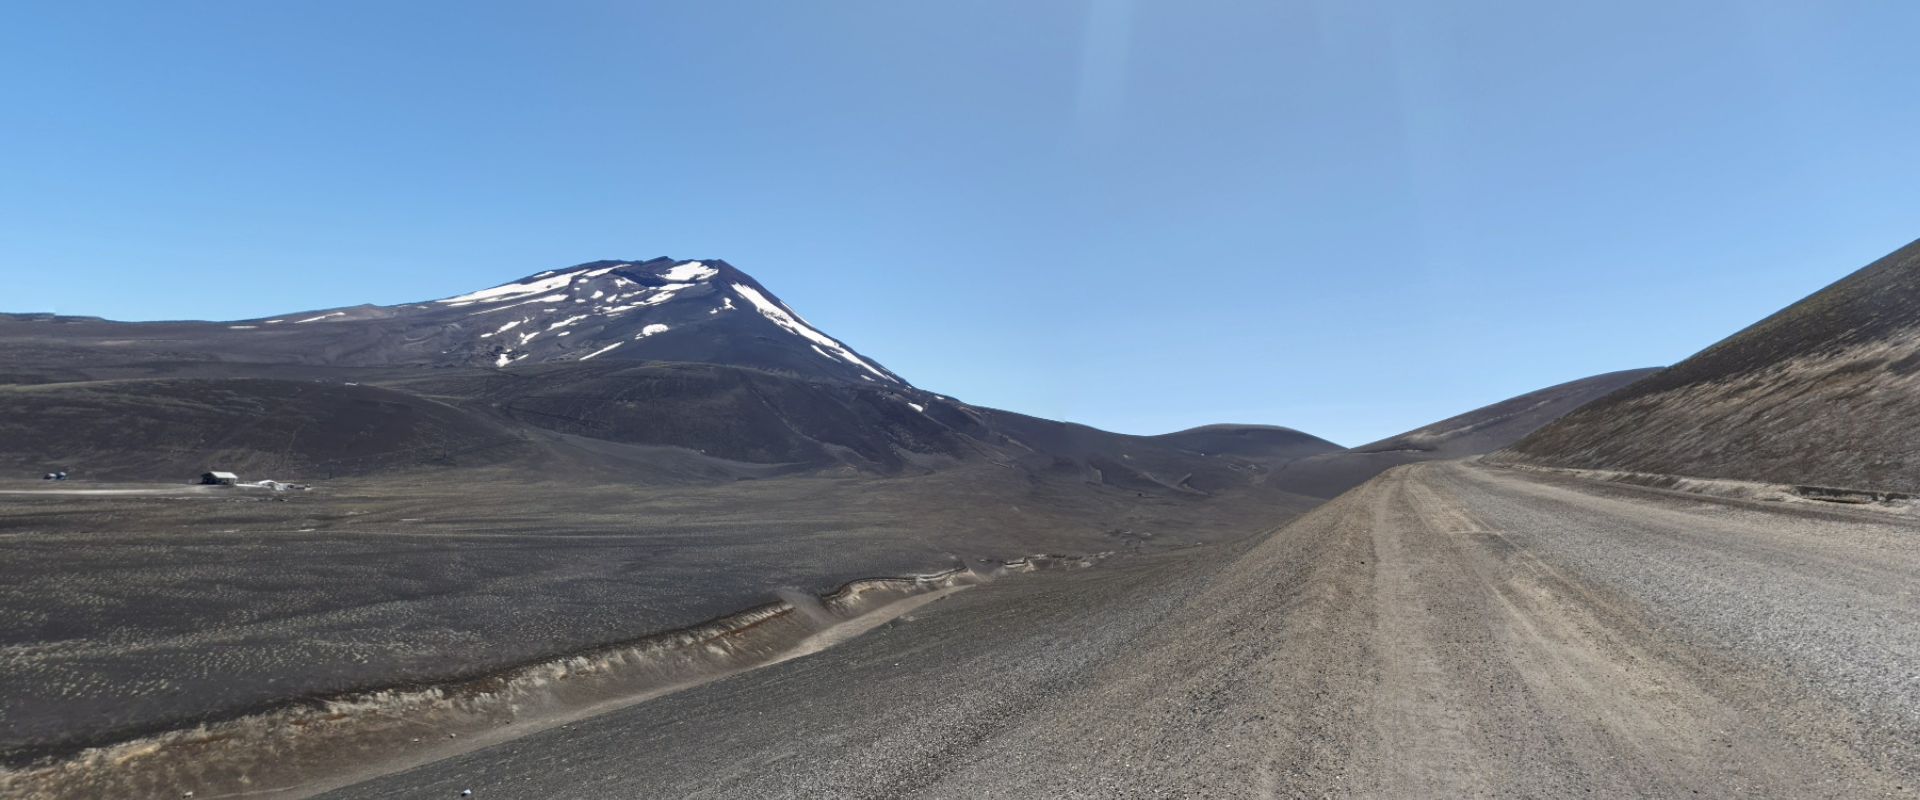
column 601, row 351
column 785, row 319
column 689, row 272
column 590, row 309
column 504, row 328
column 653, row 297
column 511, row 291
column 665, row 293
column 552, row 298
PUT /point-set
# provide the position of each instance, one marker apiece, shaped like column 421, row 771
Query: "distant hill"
column 1258, row 442
column 648, row 371
column 1486, row 429
column 655, row 310
column 647, row 422
column 1825, row 392
column 175, row 428
column 1477, row 432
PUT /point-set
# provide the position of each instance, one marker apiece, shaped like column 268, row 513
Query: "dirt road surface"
column 1447, row 630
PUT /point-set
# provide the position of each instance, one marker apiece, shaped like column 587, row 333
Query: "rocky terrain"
column 474, row 508
column 1446, row 630
column 1477, row 432
column 1820, row 393
column 755, row 563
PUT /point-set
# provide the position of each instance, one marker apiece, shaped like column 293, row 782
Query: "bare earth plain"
column 1446, row 630
column 761, row 569
column 129, row 609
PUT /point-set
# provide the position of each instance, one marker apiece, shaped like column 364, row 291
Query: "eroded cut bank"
column 310, row 746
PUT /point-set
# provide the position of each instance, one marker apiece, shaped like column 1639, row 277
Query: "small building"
column 219, row 479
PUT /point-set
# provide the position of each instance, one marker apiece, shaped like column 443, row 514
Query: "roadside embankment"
column 312, row 744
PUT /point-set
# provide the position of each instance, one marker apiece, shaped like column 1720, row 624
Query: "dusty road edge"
column 304, row 747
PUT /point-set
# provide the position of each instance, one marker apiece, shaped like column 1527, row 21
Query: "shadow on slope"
column 729, row 413
column 171, row 429
column 647, row 423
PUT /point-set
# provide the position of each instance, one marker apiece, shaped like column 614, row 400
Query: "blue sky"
column 1348, row 216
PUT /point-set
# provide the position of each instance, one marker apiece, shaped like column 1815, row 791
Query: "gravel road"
column 1447, row 630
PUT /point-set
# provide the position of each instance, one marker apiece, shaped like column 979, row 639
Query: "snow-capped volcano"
column 661, row 309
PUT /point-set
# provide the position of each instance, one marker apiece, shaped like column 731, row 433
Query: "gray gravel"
column 124, row 614
column 1447, row 630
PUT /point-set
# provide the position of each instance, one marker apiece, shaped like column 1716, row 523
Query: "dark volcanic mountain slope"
column 756, row 417
column 1824, row 392
column 1484, row 430
column 173, row 429
column 604, row 365
column 658, row 310
column 1477, row 432
column 730, row 413
column 642, row 423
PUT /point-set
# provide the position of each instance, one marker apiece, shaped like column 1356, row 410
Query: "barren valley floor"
column 1448, row 630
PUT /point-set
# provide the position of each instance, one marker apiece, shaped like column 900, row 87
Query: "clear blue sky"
column 1346, row 216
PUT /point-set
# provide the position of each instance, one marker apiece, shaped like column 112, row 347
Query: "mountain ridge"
column 659, row 309
column 1820, row 392
column 605, row 365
